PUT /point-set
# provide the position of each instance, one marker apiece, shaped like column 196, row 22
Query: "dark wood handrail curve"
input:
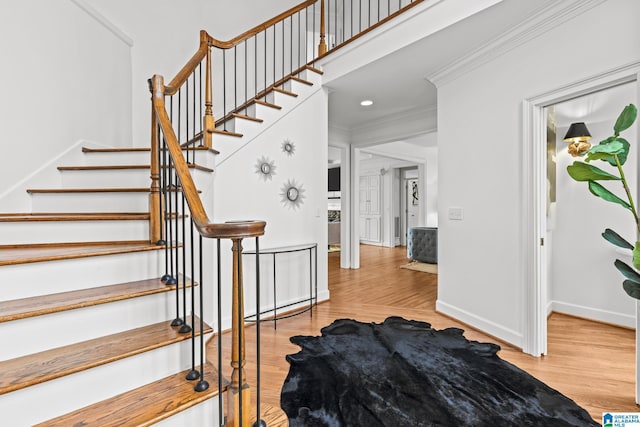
column 207, row 41
column 207, row 228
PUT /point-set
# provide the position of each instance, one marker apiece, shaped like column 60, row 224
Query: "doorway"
column 534, row 201
column 575, row 219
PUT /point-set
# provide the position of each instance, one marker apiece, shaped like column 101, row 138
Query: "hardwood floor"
column 590, row 362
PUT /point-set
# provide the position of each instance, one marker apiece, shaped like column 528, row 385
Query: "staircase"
column 92, row 324
column 84, row 312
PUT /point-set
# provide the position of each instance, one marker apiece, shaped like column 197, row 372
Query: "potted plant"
column 614, row 150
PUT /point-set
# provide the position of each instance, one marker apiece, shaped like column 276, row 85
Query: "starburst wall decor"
column 292, row 194
column 288, row 147
column 265, row 168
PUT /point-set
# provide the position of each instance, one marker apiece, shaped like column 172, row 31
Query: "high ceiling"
column 397, row 83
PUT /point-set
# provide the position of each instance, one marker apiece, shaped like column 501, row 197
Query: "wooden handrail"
column 207, row 228
column 182, row 76
column 259, row 28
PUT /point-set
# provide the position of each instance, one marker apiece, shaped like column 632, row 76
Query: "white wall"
column 479, row 133
column 240, row 193
column 66, row 77
column 584, row 281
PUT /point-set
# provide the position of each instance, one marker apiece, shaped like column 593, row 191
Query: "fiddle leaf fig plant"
column 614, row 150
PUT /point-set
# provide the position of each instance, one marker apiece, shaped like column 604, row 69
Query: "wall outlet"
column 456, row 213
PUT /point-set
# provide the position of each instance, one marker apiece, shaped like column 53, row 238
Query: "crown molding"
column 542, row 21
column 106, row 23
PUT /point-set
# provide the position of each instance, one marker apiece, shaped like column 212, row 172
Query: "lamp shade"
column 577, row 132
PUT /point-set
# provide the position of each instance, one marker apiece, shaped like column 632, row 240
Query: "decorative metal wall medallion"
column 265, row 168
column 288, row 147
column 292, row 194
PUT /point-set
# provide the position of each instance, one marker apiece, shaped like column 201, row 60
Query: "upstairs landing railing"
column 240, row 72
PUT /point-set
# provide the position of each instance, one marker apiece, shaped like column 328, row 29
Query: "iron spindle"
column 259, row 422
column 219, row 332
column 235, row 80
column 246, row 96
column 202, row 385
column 224, row 87
column 193, row 374
column 185, row 328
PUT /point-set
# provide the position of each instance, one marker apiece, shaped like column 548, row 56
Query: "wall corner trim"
column 93, row 12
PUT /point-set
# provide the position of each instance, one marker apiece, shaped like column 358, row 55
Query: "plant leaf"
column 632, row 288
column 615, row 239
column 622, row 154
column 605, row 151
column 636, row 256
column 584, row 172
column 625, row 119
column 627, row 271
column 598, row 190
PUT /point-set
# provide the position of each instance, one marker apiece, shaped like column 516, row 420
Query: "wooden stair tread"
column 245, row 117
column 63, row 301
column 116, row 150
column 142, row 406
column 228, row 133
column 314, row 69
column 73, row 216
column 132, row 149
column 36, row 368
column 286, row 92
column 300, row 80
column 88, row 190
column 40, row 252
column 124, row 167
column 267, row 104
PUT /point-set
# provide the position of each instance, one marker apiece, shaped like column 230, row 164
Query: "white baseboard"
column 482, row 324
column 626, row 320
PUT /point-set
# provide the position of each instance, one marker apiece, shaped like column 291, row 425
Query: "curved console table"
column 312, row 248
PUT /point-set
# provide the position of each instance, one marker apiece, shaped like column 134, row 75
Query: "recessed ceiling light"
column 366, row 103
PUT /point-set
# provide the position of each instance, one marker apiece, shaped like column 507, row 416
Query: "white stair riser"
column 203, row 414
column 72, row 231
column 268, row 114
column 281, row 99
column 246, row 127
column 117, row 158
column 41, row 278
column 116, row 178
column 65, row 394
column 90, row 202
column 311, row 76
column 41, row 333
column 106, row 178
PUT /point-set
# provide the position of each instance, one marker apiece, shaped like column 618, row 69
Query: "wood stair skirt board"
column 23, row 254
column 37, row 368
column 143, row 406
column 54, row 303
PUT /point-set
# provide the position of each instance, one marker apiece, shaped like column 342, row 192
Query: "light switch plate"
column 456, row 213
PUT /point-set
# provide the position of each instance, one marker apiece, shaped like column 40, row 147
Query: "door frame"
column 533, row 202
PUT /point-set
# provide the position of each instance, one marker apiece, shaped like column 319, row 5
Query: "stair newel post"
column 155, row 200
column 240, row 399
column 322, row 47
column 208, row 122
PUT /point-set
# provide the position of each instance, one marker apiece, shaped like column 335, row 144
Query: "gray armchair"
column 422, row 244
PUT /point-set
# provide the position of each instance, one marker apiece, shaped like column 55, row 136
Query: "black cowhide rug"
column 404, row 373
